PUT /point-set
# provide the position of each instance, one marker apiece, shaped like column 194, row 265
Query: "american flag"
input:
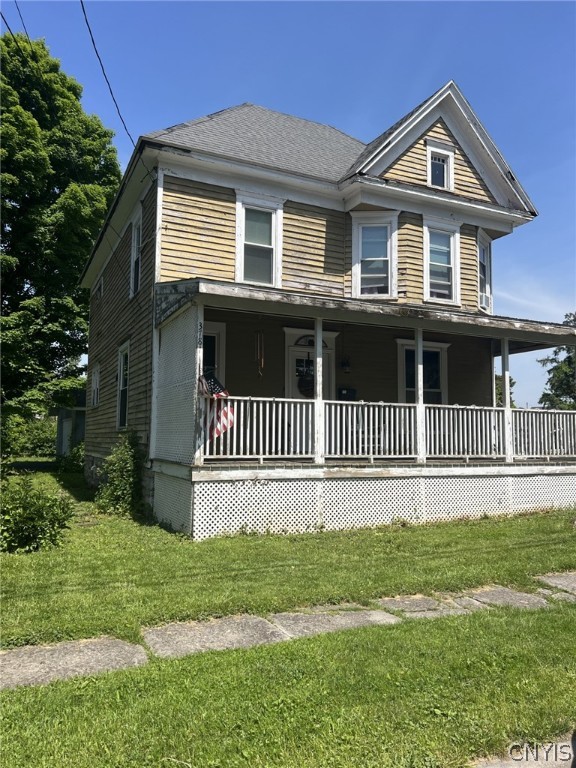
column 221, row 415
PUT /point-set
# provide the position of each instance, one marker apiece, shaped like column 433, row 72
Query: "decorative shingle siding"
column 411, row 167
column 198, row 230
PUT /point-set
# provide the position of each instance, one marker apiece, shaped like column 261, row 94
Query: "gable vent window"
column 440, row 165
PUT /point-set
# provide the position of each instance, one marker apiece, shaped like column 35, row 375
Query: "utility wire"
column 13, row 35
column 22, row 20
column 104, row 73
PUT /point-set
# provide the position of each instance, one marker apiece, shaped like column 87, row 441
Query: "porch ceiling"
column 524, row 335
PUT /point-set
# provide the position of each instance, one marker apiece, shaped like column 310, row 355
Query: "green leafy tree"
column 59, row 175
column 560, row 390
column 500, row 391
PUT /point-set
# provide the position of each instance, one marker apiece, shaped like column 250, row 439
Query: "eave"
column 524, row 335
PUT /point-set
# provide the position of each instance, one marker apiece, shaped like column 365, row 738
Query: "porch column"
column 420, row 412
column 198, row 402
column 506, row 401
column 318, row 394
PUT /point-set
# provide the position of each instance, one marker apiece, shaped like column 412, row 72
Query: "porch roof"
column 524, row 335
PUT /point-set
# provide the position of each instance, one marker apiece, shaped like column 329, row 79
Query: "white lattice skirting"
column 259, row 502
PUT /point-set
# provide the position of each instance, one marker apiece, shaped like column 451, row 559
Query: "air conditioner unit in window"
column 485, row 301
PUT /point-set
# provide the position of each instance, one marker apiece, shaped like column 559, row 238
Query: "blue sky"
column 358, row 66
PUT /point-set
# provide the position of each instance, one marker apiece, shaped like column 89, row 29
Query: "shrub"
column 29, row 437
column 73, row 461
column 120, row 492
column 31, row 518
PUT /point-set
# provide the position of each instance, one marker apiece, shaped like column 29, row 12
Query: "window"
column 435, row 372
column 374, row 254
column 123, row 364
column 484, row 272
column 95, row 385
column 258, row 241
column 441, row 248
column 214, row 350
column 440, row 165
column 135, row 261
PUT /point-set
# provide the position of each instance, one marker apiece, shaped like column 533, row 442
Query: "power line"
column 22, row 20
column 13, row 35
column 105, row 75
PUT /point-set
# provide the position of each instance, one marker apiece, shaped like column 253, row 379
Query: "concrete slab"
column 463, row 601
column 329, row 607
column 502, row 596
column 183, row 638
column 436, row 614
column 307, row 624
column 35, row 665
column 410, row 603
column 565, row 597
column 565, row 581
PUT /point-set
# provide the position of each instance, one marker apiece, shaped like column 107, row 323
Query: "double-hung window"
column 440, row 161
column 258, row 241
column 442, row 261
column 122, row 404
column 374, row 255
column 95, row 385
column 135, row 259
column 484, row 272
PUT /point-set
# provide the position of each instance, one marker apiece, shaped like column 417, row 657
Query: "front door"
column 300, row 382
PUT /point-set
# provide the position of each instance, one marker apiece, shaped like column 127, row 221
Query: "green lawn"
column 419, row 694
column 111, row 576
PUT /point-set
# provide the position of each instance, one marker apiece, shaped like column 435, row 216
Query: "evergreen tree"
column 59, row 175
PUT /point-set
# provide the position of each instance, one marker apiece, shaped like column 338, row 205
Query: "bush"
column 29, row 437
column 120, row 492
column 73, row 461
column 31, row 518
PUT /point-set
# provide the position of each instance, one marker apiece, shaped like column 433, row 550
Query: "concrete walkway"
column 35, row 665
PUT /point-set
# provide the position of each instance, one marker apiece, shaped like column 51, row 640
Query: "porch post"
column 198, row 404
column 506, row 401
column 318, row 394
column 420, row 412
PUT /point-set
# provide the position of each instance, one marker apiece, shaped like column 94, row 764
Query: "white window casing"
column 442, row 236
column 251, row 251
column 369, row 230
column 440, row 155
column 484, row 272
column 136, row 255
column 95, row 385
column 123, row 383
column 441, row 348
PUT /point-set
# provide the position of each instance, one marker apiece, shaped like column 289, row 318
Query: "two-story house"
column 300, row 326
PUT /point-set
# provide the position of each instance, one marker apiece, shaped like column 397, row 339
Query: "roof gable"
column 447, row 110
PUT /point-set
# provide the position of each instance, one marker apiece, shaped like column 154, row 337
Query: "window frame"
column 451, row 228
column 123, row 371
column 218, row 330
column 271, row 205
column 442, row 150
column 95, row 385
column 136, row 255
column 428, row 346
column 364, row 219
column 483, row 241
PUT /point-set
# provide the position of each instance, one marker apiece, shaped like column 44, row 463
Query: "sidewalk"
column 36, row 665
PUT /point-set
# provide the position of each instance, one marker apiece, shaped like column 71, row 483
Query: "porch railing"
column 279, row 428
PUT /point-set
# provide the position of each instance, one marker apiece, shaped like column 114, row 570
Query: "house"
column 341, row 293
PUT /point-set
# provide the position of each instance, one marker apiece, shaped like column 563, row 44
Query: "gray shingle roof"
column 249, row 133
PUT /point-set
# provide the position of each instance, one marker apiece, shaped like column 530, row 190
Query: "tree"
column 500, row 391
column 59, row 176
column 560, row 390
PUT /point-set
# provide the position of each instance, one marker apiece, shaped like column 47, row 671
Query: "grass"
column 112, row 575
column 378, row 697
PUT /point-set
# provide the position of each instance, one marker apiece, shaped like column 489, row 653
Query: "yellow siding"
column 313, row 258
column 411, row 167
column 115, row 319
column 468, row 267
column 410, row 258
column 198, row 230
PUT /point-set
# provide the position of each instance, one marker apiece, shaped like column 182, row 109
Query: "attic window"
column 440, row 165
